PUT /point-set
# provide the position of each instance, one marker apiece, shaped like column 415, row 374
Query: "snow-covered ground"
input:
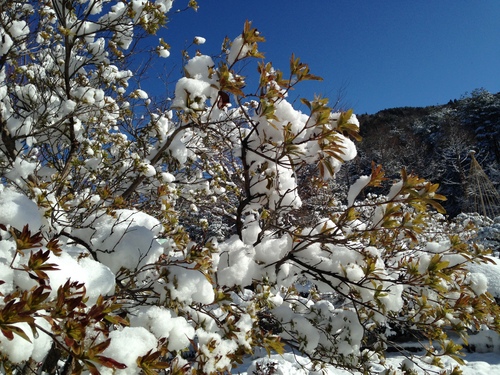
column 289, row 364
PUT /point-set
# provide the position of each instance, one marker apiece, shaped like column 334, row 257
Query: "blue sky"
column 378, row 54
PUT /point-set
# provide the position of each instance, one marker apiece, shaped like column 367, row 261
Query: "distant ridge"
column 434, row 142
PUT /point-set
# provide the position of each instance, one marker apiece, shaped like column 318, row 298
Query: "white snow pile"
column 125, row 240
column 192, row 91
column 486, row 276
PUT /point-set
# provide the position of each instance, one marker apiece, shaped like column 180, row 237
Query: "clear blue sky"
column 382, row 54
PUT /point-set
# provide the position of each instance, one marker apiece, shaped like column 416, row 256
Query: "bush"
column 140, row 238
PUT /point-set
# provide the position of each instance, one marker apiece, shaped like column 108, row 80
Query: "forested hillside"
column 435, row 142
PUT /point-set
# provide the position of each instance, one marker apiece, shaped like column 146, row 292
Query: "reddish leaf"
column 8, row 334
column 222, row 100
column 53, row 246
column 99, row 348
column 13, row 329
column 115, row 319
column 92, row 369
column 69, row 341
column 109, row 362
column 25, row 240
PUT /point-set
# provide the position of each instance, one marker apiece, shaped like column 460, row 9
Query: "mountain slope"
column 434, row 142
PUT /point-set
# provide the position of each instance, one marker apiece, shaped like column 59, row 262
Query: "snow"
column 167, row 177
column 98, row 278
column 478, row 282
column 17, row 210
column 192, row 91
column 491, row 275
column 126, row 346
column 164, row 5
column 5, row 42
column 395, row 190
column 238, row 50
column 7, row 275
column 148, row 170
column 140, row 94
column 482, row 364
column 198, row 67
column 21, row 170
column 14, row 31
column 294, row 364
column 162, row 324
column 125, row 240
column 199, row 40
column 189, row 286
column 287, row 364
column 18, row 349
column 218, row 357
column 356, row 188
column 42, row 343
column 236, row 265
column 163, row 52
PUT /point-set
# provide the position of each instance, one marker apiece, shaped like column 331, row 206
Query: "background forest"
column 435, row 142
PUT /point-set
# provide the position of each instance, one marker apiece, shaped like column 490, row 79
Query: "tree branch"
column 131, row 189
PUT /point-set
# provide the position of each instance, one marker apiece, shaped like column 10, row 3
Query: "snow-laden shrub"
column 110, row 260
